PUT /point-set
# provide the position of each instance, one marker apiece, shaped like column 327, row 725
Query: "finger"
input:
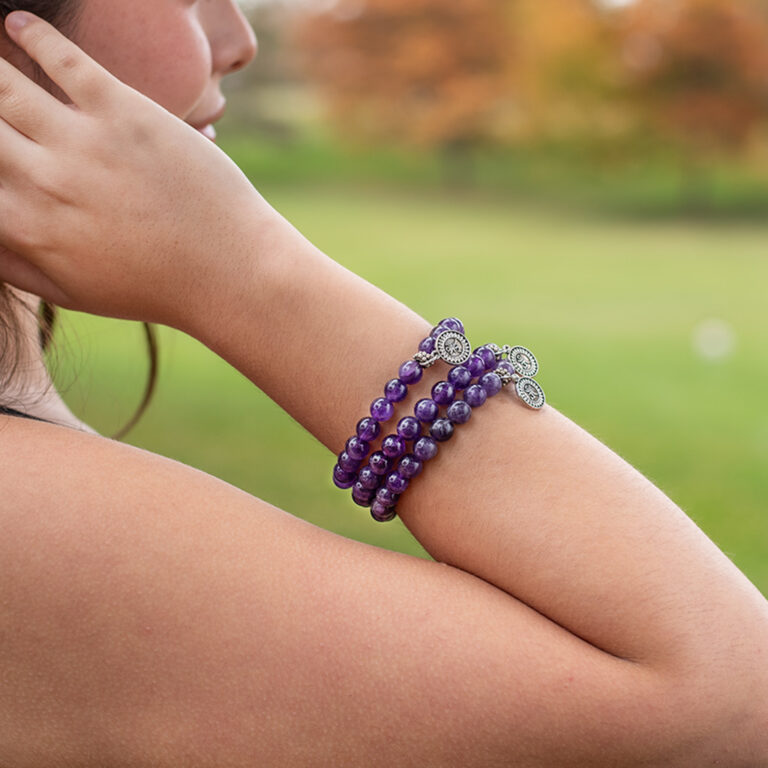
column 27, row 107
column 14, row 149
column 85, row 81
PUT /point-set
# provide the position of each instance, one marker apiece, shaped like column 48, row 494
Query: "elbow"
column 720, row 705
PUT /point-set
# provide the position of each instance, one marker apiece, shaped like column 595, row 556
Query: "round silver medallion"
column 453, row 347
column 524, row 361
column 530, row 392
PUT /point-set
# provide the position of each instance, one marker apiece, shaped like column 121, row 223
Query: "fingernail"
column 16, row 20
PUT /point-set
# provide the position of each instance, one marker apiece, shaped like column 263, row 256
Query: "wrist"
column 234, row 271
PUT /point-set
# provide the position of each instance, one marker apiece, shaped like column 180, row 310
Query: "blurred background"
column 595, row 173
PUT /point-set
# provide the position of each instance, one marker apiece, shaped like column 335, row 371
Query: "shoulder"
column 163, row 616
column 40, row 458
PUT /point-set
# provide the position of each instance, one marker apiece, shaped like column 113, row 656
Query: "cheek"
column 165, row 56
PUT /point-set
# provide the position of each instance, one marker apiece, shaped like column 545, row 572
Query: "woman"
column 155, row 615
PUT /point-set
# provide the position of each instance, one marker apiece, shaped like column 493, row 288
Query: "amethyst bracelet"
column 379, row 483
column 382, row 409
column 478, row 369
column 390, row 470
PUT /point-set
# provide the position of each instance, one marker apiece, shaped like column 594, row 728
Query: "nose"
column 237, row 40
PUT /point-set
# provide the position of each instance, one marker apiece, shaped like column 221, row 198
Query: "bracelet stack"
column 377, row 481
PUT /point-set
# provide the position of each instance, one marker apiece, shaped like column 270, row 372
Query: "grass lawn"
column 610, row 307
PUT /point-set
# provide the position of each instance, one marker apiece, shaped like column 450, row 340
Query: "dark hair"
column 63, row 14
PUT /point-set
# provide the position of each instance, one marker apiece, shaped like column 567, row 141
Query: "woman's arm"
column 526, row 500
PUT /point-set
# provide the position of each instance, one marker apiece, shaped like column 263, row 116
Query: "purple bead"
column 382, row 409
column 427, row 345
column 368, row 428
column 368, row 478
column 425, row 448
column 459, row 412
column 443, row 393
column 491, row 383
column 475, row 365
column 452, row 324
column 342, row 479
column 437, row 330
column 488, row 358
column 441, row 430
column 410, row 372
column 357, row 448
column 348, row 464
column 409, row 466
column 393, row 446
column 361, row 495
column 409, row 428
column 379, row 463
column 475, row 395
column 381, row 513
column 426, row 410
column 460, row 377
column 505, row 365
column 395, row 390
column 386, row 497
column 397, row 483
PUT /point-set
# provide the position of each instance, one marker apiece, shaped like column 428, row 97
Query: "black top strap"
column 14, row 412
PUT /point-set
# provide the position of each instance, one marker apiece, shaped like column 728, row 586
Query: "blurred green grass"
column 609, row 306
column 636, row 178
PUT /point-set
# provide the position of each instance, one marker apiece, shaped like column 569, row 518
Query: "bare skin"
column 575, row 617
column 179, row 61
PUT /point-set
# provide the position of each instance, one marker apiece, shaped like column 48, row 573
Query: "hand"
column 111, row 205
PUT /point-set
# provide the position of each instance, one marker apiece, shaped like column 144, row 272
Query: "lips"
column 209, row 132
column 206, row 126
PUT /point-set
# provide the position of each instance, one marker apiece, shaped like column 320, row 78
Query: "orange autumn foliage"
column 698, row 69
column 441, row 73
column 565, row 69
column 426, row 71
column 458, row 73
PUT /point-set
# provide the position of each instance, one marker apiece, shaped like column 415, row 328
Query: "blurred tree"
column 565, row 70
column 697, row 72
column 457, row 74
column 691, row 75
column 425, row 72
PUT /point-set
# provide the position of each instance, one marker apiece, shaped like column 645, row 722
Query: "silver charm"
column 451, row 346
column 519, row 368
column 523, row 359
column 530, row 392
column 525, row 365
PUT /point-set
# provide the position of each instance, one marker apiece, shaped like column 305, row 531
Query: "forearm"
column 525, row 500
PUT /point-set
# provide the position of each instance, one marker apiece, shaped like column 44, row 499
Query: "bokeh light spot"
column 713, row 339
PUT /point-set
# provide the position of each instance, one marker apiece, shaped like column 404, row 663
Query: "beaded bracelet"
column 382, row 409
column 479, row 369
column 390, row 469
column 484, row 365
